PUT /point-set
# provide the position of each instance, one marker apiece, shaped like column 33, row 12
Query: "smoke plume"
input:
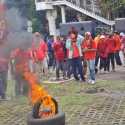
column 17, row 36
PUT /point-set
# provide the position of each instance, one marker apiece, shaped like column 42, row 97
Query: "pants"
column 51, row 59
column 69, row 68
column 41, row 68
column 117, row 58
column 111, row 58
column 60, row 65
column 3, row 83
column 103, row 63
column 91, row 65
column 31, row 65
column 97, row 60
column 77, row 66
column 19, row 86
column 84, row 68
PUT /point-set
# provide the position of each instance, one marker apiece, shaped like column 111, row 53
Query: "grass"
column 71, row 97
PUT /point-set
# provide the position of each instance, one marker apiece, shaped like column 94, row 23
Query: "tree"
column 110, row 8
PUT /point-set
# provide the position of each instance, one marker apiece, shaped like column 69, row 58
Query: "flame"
column 37, row 92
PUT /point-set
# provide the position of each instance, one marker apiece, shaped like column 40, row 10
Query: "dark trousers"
column 97, row 60
column 51, row 59
column 60, row 65
column 21, row 86
column 117, row 58
column 111, row 58
column 103, row 63
column 69, row 68
column 77, row 66
column 3, row 83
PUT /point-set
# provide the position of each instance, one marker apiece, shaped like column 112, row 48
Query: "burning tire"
column 58, row 119
column 37, row 107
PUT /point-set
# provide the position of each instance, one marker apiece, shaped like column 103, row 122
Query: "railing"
column 81, row 7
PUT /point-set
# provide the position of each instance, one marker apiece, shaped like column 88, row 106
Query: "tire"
column 58, row 119
column 37, row 105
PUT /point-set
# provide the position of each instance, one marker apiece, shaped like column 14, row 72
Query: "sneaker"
column 101, row 71
column 107, row 72
column 89, row 81
column 92, row 82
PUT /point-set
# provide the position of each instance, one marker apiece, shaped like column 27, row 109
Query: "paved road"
column 107, row 109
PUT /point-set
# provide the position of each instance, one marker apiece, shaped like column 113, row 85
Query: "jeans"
column 91, row 65
column 117, row 58
column 60, row 65
column 77, row 66
column 69, row 68
column 51, row 59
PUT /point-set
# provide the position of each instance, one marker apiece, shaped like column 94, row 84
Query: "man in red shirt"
column 75, row 54
column 41, row 57
column 111, row 52
column 103, row 52
column 58, row 47
column 89, row 48
column 117, row 40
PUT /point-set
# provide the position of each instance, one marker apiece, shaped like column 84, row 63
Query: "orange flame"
column 37, row 92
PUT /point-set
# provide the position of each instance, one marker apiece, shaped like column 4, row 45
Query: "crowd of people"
column 74, row 53
column 69, row 56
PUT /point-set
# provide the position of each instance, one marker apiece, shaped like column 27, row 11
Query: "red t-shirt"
column 58, row 50
column 89, row 55
column 102, row 48
column 75, row 50
column 110, row 45
column 117, row 42
column 41, row 51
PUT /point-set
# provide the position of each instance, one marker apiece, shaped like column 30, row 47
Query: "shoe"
column 100, row 71
column 89, row 81
column 113, row 70
column 92, row 82
column 64, row 78
column 107, row 72
column 57, row 79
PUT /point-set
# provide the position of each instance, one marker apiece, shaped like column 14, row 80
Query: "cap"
column 102, row 37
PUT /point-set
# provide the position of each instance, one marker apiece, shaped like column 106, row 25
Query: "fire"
column 48, row 106
column 37, row 93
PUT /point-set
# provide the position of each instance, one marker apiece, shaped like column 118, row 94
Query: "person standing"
column 102, row 50
column 3, row 77
column 89, row 48
column 58, row 47
column 73, row 44
column 41, row 52
column 97, row 39
column 117, row 40
column 122, row 35
column 50, row 52
column 111, row 53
